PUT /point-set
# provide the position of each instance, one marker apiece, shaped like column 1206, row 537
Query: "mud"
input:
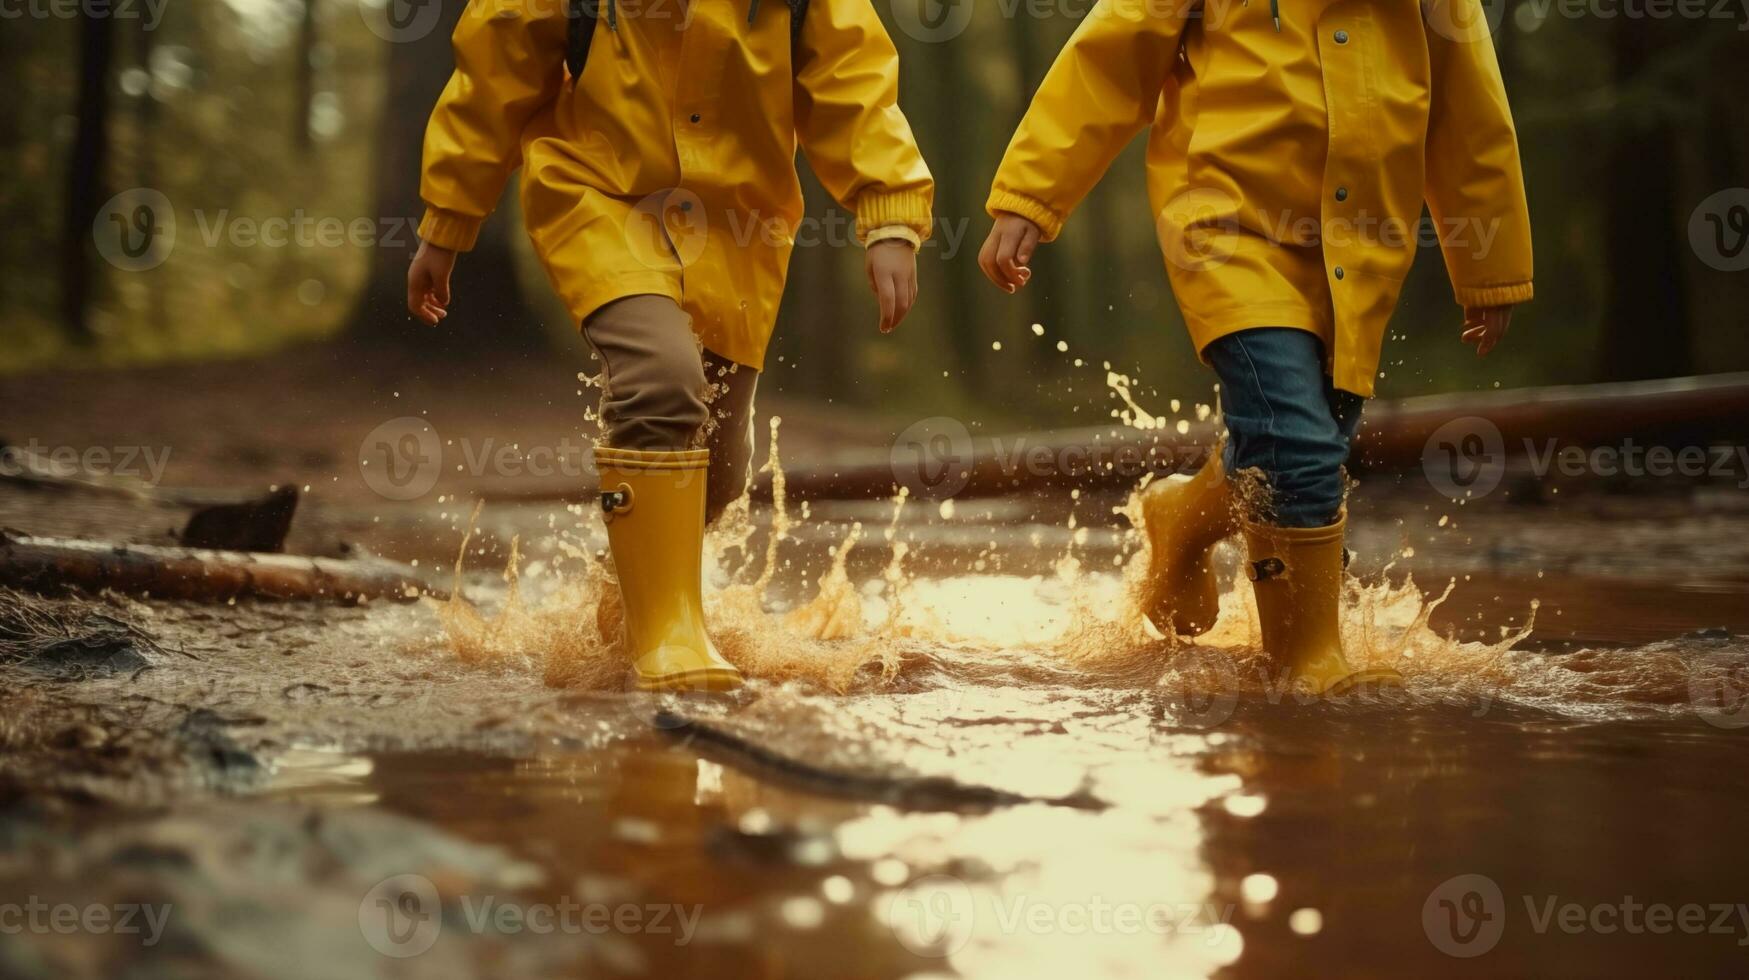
column 959, row 752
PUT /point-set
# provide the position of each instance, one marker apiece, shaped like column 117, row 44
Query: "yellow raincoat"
column 1287, row 167
column 669, row 166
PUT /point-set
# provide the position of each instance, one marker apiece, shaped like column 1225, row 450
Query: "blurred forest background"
column 250, row 110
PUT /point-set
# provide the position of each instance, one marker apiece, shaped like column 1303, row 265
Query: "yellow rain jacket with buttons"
column 669, row 167
column 1288, row 161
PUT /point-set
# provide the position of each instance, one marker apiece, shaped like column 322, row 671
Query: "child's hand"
column 1007, row 254
column 428, row 282
column 1485, row 326
column 892, row 274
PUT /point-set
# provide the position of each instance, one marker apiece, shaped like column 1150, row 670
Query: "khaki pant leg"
column 653, row 383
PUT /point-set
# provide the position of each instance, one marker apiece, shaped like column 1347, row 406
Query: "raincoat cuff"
column 880, row 210
column 447, row 229
column 1506, row 294
column 889, row 232
column 1049, row 222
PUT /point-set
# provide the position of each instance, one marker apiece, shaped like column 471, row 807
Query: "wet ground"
column 959, row 753
column 1004, row 777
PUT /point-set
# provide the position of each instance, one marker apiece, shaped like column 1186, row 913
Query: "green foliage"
column 203, row 110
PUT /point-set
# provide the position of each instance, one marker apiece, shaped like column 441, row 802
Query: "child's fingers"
column 1006, row 267
column 986, row 256
column 1009, row 257
column 1028, row 241
column 904, row 295
column 415, row 292
column 888, row 299
column 442, row 291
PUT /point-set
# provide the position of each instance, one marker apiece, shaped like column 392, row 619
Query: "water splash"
column 909, row 631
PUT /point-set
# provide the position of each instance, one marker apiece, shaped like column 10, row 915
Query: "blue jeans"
column 1287, row 420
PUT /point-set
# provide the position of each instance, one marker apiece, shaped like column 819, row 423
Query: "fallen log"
column 938, row 459
column 55, row 565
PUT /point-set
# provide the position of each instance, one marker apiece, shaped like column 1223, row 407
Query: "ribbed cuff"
column 1050, row 223
column 447, row 229
column 1501, row 295
column 644, row 460
column 889, row 232
column 879, row 210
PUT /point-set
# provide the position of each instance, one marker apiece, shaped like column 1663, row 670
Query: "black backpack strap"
column 797, row 10
column 582, row 15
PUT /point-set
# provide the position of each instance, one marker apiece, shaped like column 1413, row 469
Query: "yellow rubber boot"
column 1185, row 517
column 653, row 503
column 1297, row 575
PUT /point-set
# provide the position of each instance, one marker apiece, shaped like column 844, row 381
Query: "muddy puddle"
column 960, row 752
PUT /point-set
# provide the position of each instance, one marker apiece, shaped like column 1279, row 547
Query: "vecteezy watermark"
column 935, row 458
column 402, row 21
column 302, row 230
column 1644, row 10
column 933, row 21
column 1465, row 459
column 1719, row 694
column 36, row 917
column 1463, row 21
column 673, row 227
column 135, row 230
column 150, row 13
column 939, row 21
column 1200, row 229
column 144, row 463
column 1466, row 916
column 932, row 457
column 1718, row 230
column 1202, row 689
column 403, row 916
column 402, row 458
column 936, row 915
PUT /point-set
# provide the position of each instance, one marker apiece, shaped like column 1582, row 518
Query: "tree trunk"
column 1045, row 299
column 85, row 176
column 1646, row 329
column 146, row 118
column 487, row 305
column 961, row 279
column 816, row 301
column 306, row 80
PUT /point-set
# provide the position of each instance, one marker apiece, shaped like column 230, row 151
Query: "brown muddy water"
column 958, row 754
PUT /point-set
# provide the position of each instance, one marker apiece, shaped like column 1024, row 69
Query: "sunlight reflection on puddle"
column 322, row 775
column 1049, row 891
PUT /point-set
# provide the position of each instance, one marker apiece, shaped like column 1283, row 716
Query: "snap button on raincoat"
column 1287, row 166
column 668, row 167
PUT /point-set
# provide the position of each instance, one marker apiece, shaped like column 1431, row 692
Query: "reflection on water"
column 1232, row 828
column 326, row 776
